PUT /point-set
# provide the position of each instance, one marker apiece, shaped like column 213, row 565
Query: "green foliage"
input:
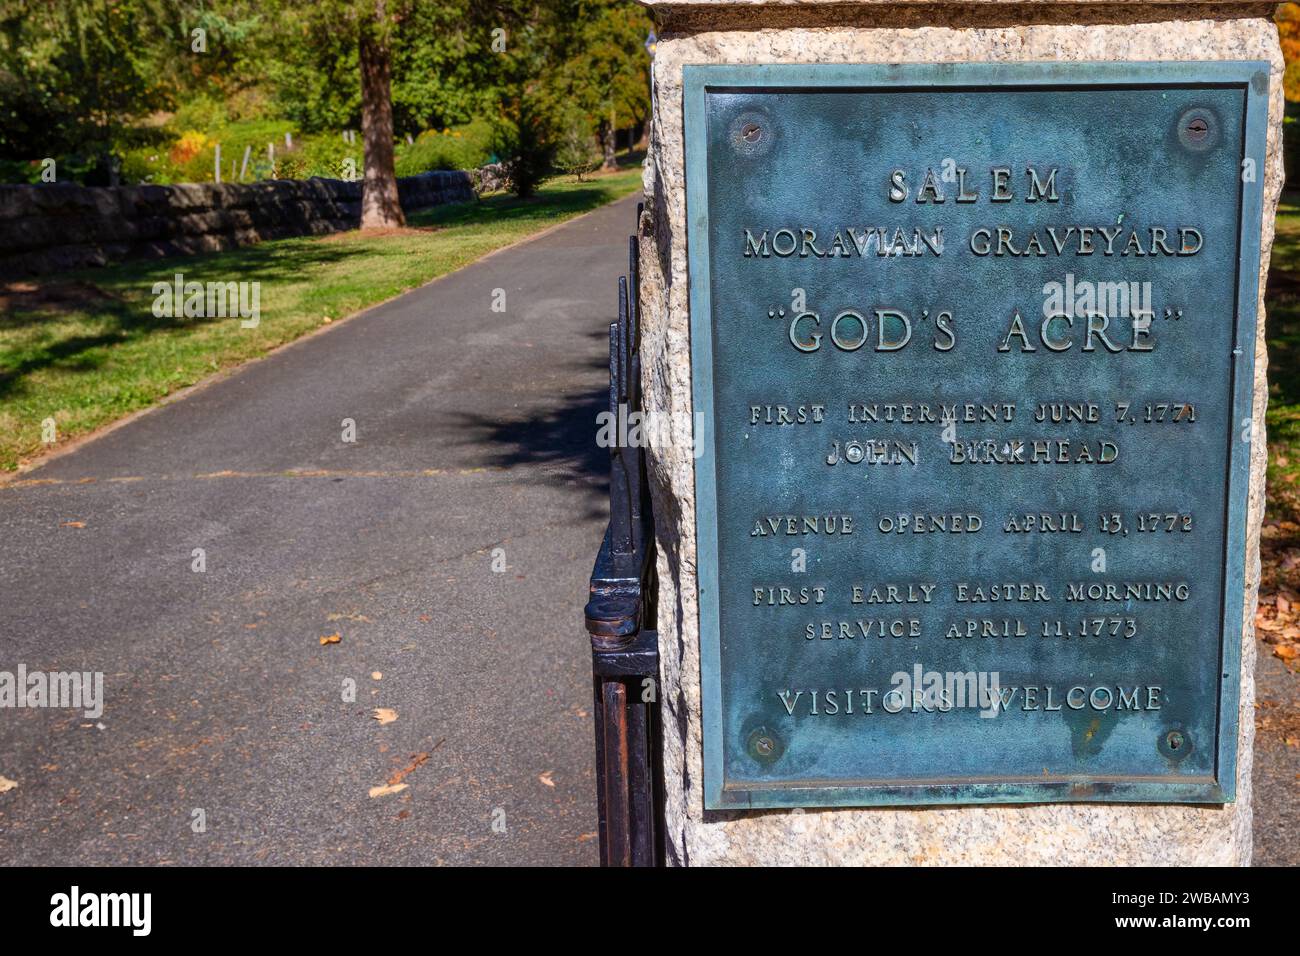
column 203, row 112
column 145, row 165
column 100, row 83
column 442, row 65
column 576, row 152
column 75, row 76
column 603, row 64
column 564, row 58
column 442, row 68
column 1282, row 329
column 326, row 155
column 189, row 155
column 462, row 147
column 527, row 137
column 68, row 169
column 291, row 166
column 313, row 72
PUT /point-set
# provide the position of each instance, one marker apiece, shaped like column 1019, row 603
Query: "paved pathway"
column 474, row 433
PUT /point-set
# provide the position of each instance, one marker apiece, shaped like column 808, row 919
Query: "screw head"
column 1174, row 744
column 764, row 746
column 751, row 133
column 1197, row 129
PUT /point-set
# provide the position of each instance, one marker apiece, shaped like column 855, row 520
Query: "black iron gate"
column 620, row 619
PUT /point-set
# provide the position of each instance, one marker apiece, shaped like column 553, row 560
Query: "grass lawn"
column 84, row 348
column 1283, row 331
column 1278, row 619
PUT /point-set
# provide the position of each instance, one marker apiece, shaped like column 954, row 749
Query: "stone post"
column 1023, row 832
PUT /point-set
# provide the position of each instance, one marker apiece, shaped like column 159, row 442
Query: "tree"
column 524, row 40
column 75, row 77
column 442, row 71
column 576, row 153
column 604, row 66
column 96, row 77
column 364, row 28
column 443, row 67
column 380, row 204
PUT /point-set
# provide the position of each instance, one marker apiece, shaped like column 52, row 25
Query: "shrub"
column 149, row 165
column 529, row 145
column 576, row 152
column 461, row 147
column 290, row 166
column 191, row 143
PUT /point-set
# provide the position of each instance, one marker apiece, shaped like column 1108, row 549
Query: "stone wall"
column 47, row 228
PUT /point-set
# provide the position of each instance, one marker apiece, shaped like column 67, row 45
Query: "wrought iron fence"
column 620, row 617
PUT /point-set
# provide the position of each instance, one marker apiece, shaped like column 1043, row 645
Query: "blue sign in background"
column 813, row 148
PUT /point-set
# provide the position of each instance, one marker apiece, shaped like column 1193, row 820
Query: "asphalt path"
column 448, row 547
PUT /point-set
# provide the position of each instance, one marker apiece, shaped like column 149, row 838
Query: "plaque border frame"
column 698, row 80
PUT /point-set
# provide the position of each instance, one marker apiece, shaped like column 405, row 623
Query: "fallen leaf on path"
column 330, row 639
column 6, row 784
column 385, row 715
column 387, row 789
column 72, row 524
column 400, row 775
column 546, row 778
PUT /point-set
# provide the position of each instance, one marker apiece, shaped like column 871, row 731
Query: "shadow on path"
column 554, row 438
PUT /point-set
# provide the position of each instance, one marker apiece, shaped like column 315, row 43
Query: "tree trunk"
column 380, row 205
column 610, row 131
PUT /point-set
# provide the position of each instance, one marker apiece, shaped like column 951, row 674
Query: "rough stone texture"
column 62, row 226
column 1069, row 834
